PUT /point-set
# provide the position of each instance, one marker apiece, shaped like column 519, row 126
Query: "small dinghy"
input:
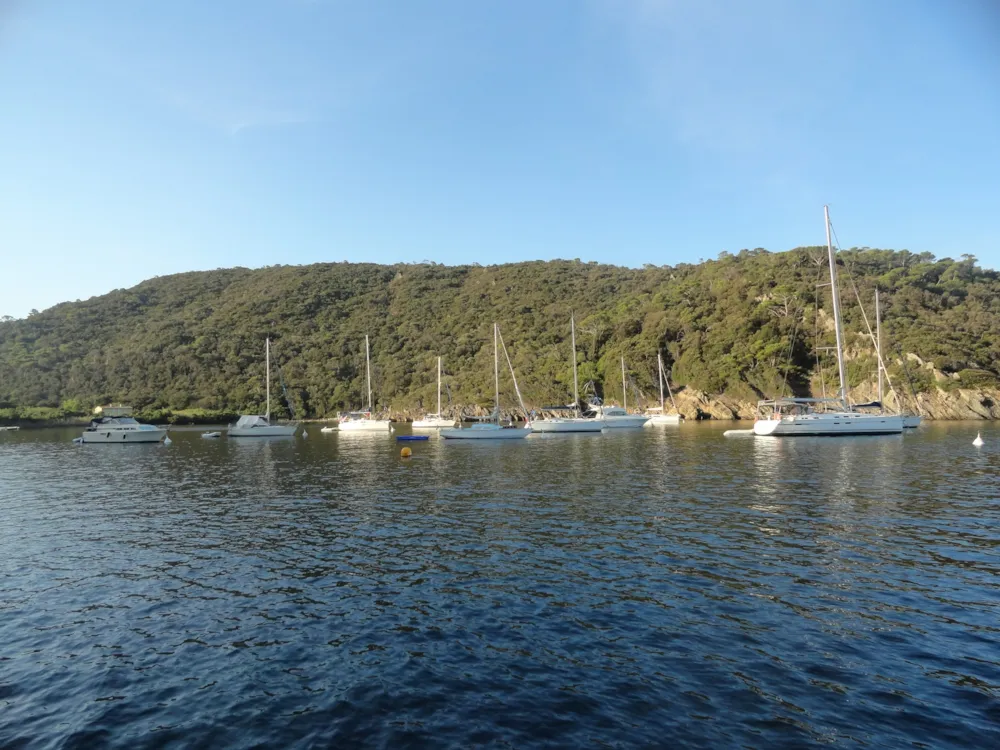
column 408, row 438
column 738, row 433
column 211, row 434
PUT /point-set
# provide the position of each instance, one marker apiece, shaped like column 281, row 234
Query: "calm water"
column 664, row 587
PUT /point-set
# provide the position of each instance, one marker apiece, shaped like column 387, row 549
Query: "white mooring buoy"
column 978, row 441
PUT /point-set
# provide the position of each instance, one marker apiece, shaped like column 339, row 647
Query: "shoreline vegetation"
column 187, row 348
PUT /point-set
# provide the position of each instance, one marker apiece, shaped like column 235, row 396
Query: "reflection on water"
column 658, row 587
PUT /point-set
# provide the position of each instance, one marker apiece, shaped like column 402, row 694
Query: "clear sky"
column 148, row 138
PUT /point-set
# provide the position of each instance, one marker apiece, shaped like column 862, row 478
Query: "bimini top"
column 252, row 420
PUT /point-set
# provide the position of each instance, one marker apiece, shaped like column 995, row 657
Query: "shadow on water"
column 637, row 588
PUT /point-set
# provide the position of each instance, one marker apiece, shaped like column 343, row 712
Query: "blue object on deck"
column 403, row 438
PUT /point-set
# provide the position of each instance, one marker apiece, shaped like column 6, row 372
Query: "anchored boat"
column 255, row 425
column 491, row 430
column 576, row 423
column 434, row 421
column 115, row 425
column 787, row 417
column 361, row 421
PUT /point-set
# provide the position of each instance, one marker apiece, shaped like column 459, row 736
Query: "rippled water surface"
column 663, row 587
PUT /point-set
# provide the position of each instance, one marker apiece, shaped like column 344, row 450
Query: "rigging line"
column 864, row 315
column 666, row 381
column 284, row 391
column 819, row 364
column 906, row 372
column 871, row 335
column 791, row 347
column 512, row 375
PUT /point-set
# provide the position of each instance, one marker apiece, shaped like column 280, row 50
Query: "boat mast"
column 878, row 348
column 267, row 366
column 496, row 370
column 439, row 386
column 624, row 389
column 368, row 370
column 836, row 312
column 576, row 388
column 659, row 364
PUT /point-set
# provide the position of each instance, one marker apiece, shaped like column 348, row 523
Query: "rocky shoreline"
column 954, row 404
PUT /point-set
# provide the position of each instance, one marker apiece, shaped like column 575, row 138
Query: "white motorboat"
column 618, row 417
column 911, row 421
column 10, row 429
column 789, row 417
column 492, row 430
column 210, row 435
column 361, row 421
column 119, row 427
column 255, row 425
column 658, row 416
column 434, row 421
column 576, row 423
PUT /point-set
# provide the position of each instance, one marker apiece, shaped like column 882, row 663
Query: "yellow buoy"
column 405, row 453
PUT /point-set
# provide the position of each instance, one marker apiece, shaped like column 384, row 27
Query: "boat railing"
column 779, row 407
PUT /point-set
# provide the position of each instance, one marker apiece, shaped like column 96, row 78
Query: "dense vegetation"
column 744, row 325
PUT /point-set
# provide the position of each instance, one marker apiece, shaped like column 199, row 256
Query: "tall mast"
column 576, row 388
column 439, row 387
column 878, row 348
column 368, row 369
column 836, row 311
column 496, row 368
column 267, row 366
column 659, row 364
column 624, row 389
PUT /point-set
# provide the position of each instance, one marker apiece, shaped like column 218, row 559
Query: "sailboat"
column 254, row 425
column 491, row 430
column 434, row 421
column 361, row 421
column 659, row 415
column 618, row 416
column 800, row 416
column 576, row 423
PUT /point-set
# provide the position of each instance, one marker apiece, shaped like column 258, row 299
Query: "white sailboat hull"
column 486, row 432
column 656, row 419
column 613, row 422
column 830, row 424
column 365, row 425
column 272, row 430
column 152, row 435
column 568, row 424
column 432, row 423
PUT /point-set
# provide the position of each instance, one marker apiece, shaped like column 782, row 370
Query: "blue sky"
column 143, row 139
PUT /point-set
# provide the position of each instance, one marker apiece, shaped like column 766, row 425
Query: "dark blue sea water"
column 666, row 587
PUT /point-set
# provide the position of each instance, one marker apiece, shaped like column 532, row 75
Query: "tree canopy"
column 748, row 325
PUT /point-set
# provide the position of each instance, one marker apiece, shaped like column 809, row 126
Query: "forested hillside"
column 740, row 325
